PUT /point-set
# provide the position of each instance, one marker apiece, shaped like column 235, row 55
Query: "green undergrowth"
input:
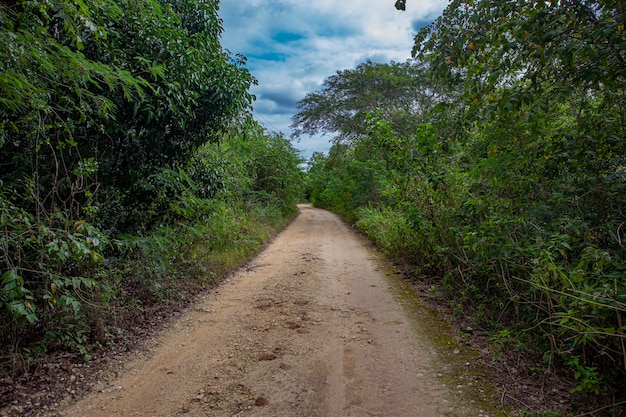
column 141, row 280
column 71, row 285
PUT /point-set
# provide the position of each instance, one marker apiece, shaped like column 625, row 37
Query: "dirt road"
column 310, row 328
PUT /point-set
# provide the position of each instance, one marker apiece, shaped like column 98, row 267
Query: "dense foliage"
column 511, row 187
column 130, row 168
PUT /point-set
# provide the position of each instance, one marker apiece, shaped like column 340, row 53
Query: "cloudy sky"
column 293, row 45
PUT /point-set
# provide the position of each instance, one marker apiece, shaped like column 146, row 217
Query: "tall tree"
column 401, row 92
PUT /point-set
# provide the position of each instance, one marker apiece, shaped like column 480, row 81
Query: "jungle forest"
column 491, row 167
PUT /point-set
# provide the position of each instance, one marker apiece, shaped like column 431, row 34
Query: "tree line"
column 131, row 171
column 493, row 164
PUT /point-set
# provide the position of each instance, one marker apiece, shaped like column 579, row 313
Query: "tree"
column 520, row 53
column 122, row 89
column 273, row 164
column 525, row 65
column 401, row 92
column 102, row 107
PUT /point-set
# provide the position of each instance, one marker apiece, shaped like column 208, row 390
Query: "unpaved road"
column 310, row 328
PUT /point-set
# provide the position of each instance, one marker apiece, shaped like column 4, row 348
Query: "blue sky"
column 293, row 45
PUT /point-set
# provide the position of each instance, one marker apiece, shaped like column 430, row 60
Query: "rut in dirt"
column 311, row 327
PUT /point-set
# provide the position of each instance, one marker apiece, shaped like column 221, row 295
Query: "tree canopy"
column 401, row 92
column 121, row 87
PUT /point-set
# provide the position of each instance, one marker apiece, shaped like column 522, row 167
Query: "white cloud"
column 292, row 46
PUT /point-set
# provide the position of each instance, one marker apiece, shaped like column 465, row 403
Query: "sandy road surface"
column 309, row 328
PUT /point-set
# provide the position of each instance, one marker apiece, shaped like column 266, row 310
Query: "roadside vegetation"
column 131, row 172
column 493, row 166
